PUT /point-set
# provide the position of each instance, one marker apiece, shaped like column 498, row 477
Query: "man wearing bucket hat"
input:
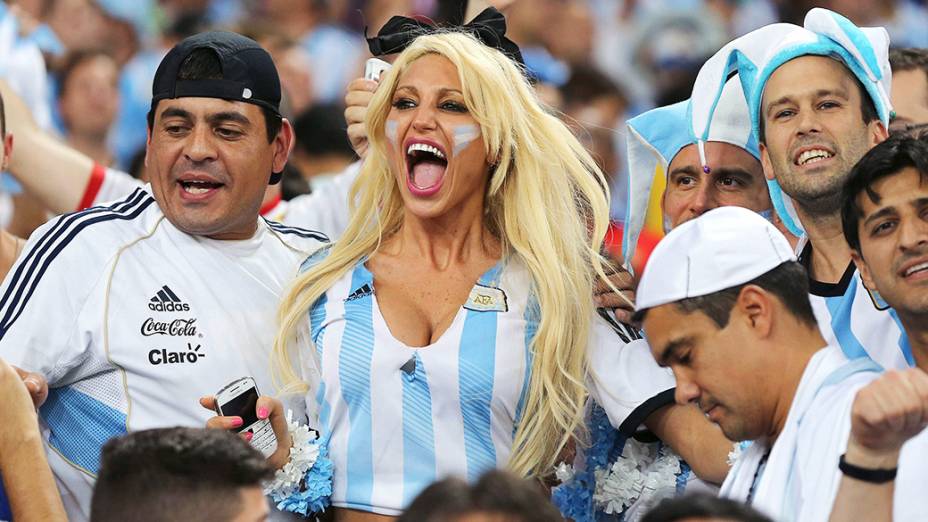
column 725, row 304
column 818, row 98
column 134, row 310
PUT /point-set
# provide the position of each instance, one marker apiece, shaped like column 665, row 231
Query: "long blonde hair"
column 547, row 203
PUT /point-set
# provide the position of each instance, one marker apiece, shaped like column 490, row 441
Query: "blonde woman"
column 451, row 330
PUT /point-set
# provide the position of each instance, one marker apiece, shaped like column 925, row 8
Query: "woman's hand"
column 357, row 98
column 266, row 408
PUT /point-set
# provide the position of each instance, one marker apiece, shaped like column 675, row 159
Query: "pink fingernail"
column 236, row 422
column 249, row 435
column 262, row 412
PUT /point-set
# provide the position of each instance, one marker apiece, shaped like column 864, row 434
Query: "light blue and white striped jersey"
column 851, row 317
column 396, row 418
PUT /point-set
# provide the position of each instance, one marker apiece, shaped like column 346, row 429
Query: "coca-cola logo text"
column 175, row 328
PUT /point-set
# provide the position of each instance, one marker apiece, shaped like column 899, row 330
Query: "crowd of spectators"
column 598, row 61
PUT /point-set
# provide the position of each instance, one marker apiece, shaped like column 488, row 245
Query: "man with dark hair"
column 702, row 507
column 885, row 220
column 134, row 310
column 180, row 474
column 497, row 496
column 910, row 88
column 322, row 150
column 725, row 305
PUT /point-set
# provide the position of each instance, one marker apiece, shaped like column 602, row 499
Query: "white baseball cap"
column 723, row 248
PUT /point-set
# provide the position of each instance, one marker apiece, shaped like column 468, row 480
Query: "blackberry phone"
column 239, row 398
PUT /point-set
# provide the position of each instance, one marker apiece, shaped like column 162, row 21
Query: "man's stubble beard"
column 820, row 195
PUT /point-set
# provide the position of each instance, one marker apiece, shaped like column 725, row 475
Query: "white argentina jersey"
column 910, row 504
column 796, row 479
column 851, row 317
column 397, row 418
column 132, row 320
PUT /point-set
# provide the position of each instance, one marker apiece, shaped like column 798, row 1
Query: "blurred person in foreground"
column 703, row 508
column 885, row 221
column 910, row 88
column 497, row 497
column 723, row 300
column 448, row 129
column 180, row 474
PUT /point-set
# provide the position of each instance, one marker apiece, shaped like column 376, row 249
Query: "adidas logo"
column 364, row 291
column 167, row 301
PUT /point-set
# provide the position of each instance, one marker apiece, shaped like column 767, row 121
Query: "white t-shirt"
column 325, row 210
column 851, row 317
column 800, row 478
column 910, row 504
column 131, row 321
column 396, row 418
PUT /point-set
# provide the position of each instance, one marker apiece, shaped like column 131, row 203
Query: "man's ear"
column 755, row 307
column 766, row 163
column 147, row 145
column 865, row 275
column 283, row 145
column 877, row 132
column 7, row 150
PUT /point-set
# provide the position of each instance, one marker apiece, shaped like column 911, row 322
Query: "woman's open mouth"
column 426, row 164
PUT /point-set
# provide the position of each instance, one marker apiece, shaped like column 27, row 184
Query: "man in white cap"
column 724, row 302
column 818, row 97
column 884, row 222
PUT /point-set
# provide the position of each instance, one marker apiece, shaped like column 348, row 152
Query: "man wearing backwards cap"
column 818, row 100
column 725, row 305
column 134, row 310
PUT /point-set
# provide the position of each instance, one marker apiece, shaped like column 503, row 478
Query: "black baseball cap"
column 248, row 72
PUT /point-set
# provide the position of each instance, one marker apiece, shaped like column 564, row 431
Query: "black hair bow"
column 489, row 27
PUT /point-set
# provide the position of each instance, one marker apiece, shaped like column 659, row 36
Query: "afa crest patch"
column 486, row 299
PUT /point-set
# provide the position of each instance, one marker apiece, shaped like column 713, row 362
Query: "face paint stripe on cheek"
column 463, row 135
column 390, row 130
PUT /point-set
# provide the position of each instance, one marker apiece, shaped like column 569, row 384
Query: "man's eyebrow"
column 175, row 112
column 820, row 93
column 672, row 347
column 883, row 212
column 779, row 101
column 228, row 116
column 841, row 93
column 891, row 210
column 686, row 169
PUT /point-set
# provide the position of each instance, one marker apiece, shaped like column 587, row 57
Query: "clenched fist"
column 885, row 415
